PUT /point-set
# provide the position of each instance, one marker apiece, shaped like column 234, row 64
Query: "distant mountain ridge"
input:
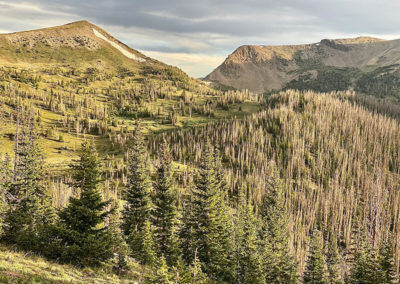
column 265, row 68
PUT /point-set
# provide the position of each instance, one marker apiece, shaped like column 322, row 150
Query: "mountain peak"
column 80, row 34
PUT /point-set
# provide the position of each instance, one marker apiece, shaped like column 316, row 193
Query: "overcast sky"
column 197, row 35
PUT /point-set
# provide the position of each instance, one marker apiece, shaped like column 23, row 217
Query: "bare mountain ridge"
column 74, row 35
column 264, row 68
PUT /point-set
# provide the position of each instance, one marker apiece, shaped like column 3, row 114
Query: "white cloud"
column 196, row 65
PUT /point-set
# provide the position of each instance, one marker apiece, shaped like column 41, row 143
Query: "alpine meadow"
column 282, row 165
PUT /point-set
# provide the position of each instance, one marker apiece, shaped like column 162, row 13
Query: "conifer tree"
column 29, row 201
column 83, row 238
column 386, row 266
column 315, row 272
column 161, row 275
column 333, row 261
column 209, row 222
column 364, row 270
column 165, row 211
column 5, row 181
column 248, row 259
column 138, row 206
column 279, row 264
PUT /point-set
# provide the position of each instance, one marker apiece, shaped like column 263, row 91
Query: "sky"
column 198, row 35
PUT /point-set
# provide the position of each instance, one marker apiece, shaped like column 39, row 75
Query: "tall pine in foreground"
column 247, row 242
column 208, row 228
column 83, row 238
column 29, row 201
column 364, row 270
column 315, row 272
column 387, row 268
column 334, row 262
column 137, row 211
column 278, row 264
column 165, row 211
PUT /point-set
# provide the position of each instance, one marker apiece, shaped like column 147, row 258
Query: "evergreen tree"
column 333, row 261
column 146, row 237
column 5, row 181
column 138, row 206
column 315, row 272
column 83, row 238
column 209, row 223
column 364, row 270
column 165, row 211
column 29, row 209
column 279, row 264
column 248, row 259
column 120, row 248
column 386, row 266
column 161, row 275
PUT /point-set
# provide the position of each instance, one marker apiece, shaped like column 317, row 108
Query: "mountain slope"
column 81, row 82
column 29, row 46
column 265, row 68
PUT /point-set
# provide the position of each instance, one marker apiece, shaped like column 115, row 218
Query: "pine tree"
column 120, row 247
column 315, row 272
column 165, row 211
column 279, row 264
column 83, row 238
column 209, row 223
column 148, row 251
column 333, row 261
column 248, row 259
column 5, row 181
column 29, row 209
column 138, row 206
column 364, row 270
column 161, row 275
column 386, row 266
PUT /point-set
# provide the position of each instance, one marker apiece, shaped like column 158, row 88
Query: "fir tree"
column 315, row 272
column 165, row 211
column 209, row 223
column 147, row 253
column 364, row 270
column 386, row 266
column 248, row 259
column 29, row 209
column 279, row 264
column 138, row 204
column 333, row 261
column 83, row 238
column 161, row 275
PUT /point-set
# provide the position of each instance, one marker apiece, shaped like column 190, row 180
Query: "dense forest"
column 305, row 190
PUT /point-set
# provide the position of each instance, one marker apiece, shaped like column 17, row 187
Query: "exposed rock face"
column 265, row 68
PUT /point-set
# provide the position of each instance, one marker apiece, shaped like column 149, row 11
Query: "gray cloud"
column 210, row 27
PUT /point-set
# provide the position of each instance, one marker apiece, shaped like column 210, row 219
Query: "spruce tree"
column 315, row 272
column 165, row 211
column 386, row 266
column 5, row 181
column 30, row 208
column 138, row 207
column 83, row 238
column 364, row 270
column 278, row 264
column 161, row 275
column 209, row 223
column 248, row 259
column 334, row 261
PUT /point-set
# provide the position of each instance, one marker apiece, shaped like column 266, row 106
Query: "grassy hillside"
column 22, row 267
